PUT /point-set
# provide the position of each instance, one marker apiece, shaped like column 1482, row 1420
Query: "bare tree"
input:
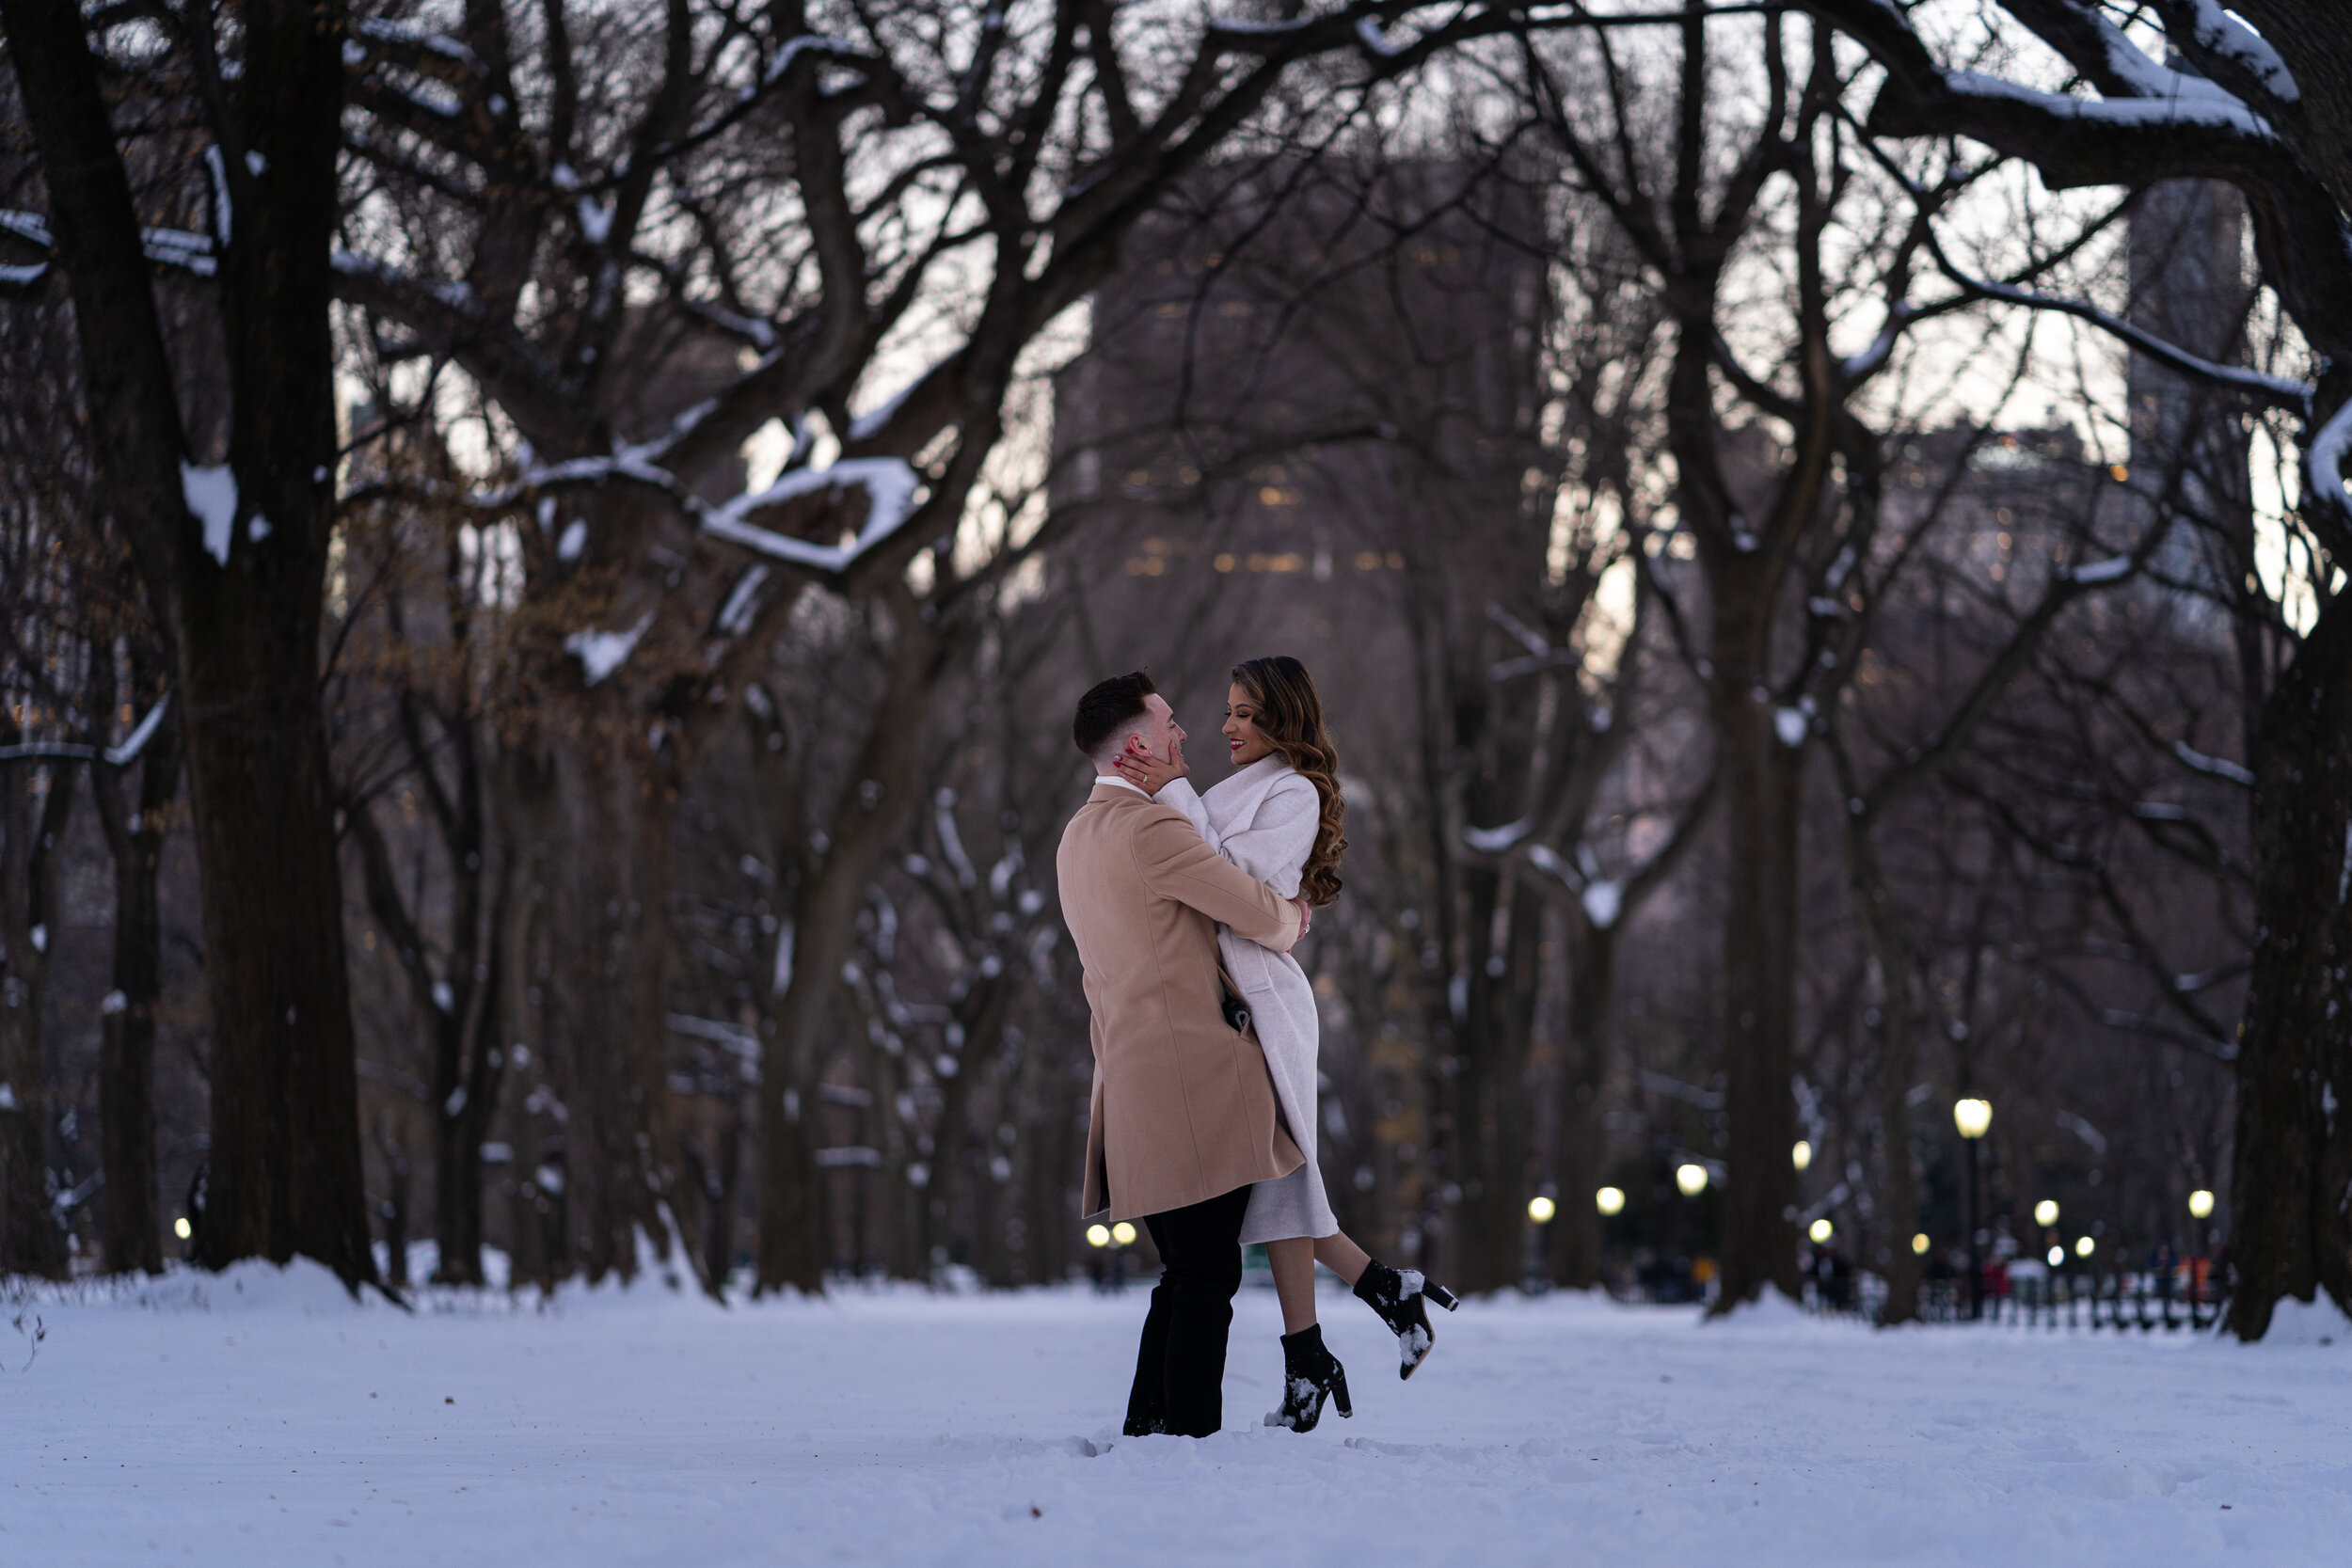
column 232, row 546
column 2264, row 112
column 1775, row 474
column 602, row 164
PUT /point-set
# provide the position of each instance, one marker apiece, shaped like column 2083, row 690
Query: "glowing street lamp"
column 1973, row 1119
column 2057, row 1255
column 1802, row 1156
column 1692, row 1180
column 1919, row 1245
column 2045, row 1213
column 2085, row 1248
column 2200, row 1204
column 1540, row 1209
column 181, row 1229
column 1820, row 1230
column 1609, row 1201
column 1098, row 1235
column 1123, row 1233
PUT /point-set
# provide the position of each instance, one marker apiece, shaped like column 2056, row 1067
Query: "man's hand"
column 1149, row 773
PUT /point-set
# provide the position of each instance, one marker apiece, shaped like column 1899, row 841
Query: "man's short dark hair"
column 1107, row 707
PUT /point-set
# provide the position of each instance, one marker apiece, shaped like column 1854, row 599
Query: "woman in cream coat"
column 1280, row 818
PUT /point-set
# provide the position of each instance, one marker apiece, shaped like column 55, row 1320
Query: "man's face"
column 1158, row 734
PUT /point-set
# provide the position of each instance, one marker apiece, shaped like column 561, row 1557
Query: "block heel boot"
column 1311, row 1375
column 1401, row 1296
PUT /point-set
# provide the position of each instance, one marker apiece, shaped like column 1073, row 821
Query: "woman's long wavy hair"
column 1290, row 716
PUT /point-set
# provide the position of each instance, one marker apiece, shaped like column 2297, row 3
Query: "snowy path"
column 282, row 1425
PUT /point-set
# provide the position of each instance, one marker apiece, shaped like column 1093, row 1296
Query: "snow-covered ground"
column 275, row 1422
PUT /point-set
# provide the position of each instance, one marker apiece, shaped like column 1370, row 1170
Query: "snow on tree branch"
column 600, row 653
column 2325, row 454
column 2213, row 108
column 890, row 485
column 2273, row 391
column 135, row 742
column 113, row 756
column 2221, row 32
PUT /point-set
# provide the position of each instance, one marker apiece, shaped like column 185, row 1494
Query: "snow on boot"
column 1310, row 1375
column 1401, row 1297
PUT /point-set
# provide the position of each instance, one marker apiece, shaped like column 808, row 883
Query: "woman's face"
column 1242, row 738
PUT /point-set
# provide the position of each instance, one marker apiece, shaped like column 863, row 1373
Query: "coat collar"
column 1261, row 772
column 1116, row 794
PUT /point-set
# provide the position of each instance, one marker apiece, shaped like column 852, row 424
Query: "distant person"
column 1281, row 818
column 1183, row 1120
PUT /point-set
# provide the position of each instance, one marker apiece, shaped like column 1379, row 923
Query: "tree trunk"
column 1899, row 1038
column 394, row 1212
column 1763, row 782
column 529, row 809
column 1495, row 1131
column 457, row 1192
column 621, row 1150
column 239, row 591
column 284, row 1165
column 129, row 1222
column 2290, row 1234
column 476, row 1071
column 726, row 1192
column 865, row 824
column 1583, row 1068
column 1045, row 1167
column 30, row 1241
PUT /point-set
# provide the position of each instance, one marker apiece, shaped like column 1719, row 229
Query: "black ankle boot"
column 1310, row 1373
column 1399, row 1295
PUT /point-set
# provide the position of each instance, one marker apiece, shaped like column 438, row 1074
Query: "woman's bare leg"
column 1292, row 1260
column 1341, row 1257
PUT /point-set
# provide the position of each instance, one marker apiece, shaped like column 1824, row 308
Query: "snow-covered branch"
column 2219, row 768
column 2325, row 454
column 2218, row 30
column 890, row 484
column 121, row 755
column 2211, row 109
column 2271, row 390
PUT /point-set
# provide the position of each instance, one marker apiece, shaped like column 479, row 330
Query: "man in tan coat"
column 1184, row 1116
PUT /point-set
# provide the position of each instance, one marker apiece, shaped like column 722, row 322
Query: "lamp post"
column 1974, row 1118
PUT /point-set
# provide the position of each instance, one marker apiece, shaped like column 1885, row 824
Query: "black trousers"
column 1180, row 1366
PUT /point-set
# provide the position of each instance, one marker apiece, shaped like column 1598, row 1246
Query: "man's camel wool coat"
column 1183, row 1109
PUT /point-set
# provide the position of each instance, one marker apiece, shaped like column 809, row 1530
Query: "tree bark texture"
column 238, row 590
column 30, row 1239
column 130, row 1223
column 284, row 1165
column 614, row 916
column 1763, row 785
column 462, row 1008
column 1899, row 1046
column 2291, row 1186
column 1494, row 1127
column 1592, row 969
column 866, row 823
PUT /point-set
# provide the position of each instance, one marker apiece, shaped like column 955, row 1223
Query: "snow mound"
column 2317, row 1321
column 1770, row 1310
column 302, row 1288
